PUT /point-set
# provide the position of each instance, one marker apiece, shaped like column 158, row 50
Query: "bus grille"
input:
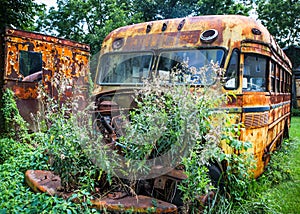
column 256, row 120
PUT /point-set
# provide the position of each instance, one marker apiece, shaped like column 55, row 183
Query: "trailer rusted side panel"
column 28, row 59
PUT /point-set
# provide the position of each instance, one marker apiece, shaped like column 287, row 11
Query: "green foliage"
column 8, row 147
column 44, row 151
column 282, row 20
column 67, row 136
column 64, row 141
column 277, row 172
column 208, row 7
column 16, row 157
column 12, row 123
column 86, row 21
column 197, row 184
column 273, row 191
column 19, row 14
column 276, row 190
column 293, row 52
column 159, row 9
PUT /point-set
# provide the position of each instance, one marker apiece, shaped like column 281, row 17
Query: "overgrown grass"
column 286, row 194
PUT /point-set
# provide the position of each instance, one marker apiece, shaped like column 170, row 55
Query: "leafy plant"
column 13, row 123
column 68, row 132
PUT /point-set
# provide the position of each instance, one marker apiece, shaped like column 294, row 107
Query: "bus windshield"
column 180, row 66
column 125, row 68
column 184, row 66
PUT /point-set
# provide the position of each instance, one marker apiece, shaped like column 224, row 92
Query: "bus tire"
column 216, row 176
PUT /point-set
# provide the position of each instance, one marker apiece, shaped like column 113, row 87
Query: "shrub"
column 67, row 135
column 13, row 124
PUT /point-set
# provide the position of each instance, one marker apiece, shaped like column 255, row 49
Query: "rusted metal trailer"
column 28, row 58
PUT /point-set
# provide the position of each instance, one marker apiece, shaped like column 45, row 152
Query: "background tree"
column 160, row 9
column 219, row 7
column 87, row 21
column 164, row 9
column 19, row 13
column 282, row 18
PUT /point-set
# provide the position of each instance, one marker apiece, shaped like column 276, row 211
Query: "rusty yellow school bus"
column 257, row 70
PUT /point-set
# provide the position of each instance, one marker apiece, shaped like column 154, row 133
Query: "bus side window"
column 273, row 77
column 232, row 77
column 254, row 77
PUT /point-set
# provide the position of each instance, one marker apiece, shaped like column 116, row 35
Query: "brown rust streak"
column 56, row 56
column 255, row 99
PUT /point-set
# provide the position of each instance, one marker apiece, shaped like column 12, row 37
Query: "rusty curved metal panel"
column 232, row 29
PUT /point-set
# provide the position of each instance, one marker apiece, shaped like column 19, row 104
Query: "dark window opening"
column 30, row 64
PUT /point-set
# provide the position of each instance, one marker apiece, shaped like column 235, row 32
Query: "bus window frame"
column 281, row 71
column 99, row 68
column 237, row 71
column 272, row 76
column 277, row 77
column 154, row 64
column 267, row 72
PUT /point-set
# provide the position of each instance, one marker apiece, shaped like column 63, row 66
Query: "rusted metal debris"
column 47, row 182
column 28, row 58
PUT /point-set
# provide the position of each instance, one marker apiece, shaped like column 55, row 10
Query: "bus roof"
column 186, row 32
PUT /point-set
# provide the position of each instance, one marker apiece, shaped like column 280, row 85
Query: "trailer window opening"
column 184, row 66
column 125, row 68
column 30, row 62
